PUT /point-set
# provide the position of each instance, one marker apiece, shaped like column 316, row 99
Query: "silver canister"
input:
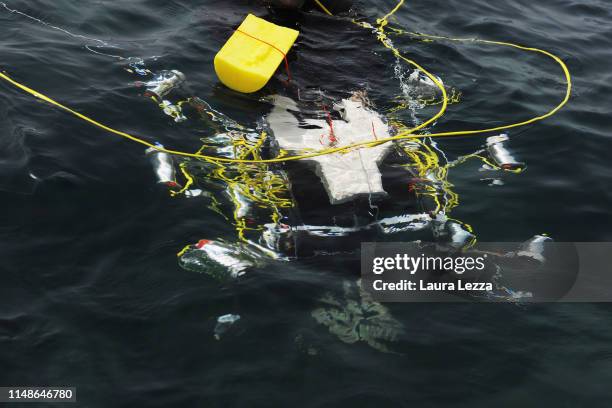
column 458, row 236
column 165, row 82
column 163, row 165
column 496, row 146
column 224, row 260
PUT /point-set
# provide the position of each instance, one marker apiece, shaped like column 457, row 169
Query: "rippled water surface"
column 92, row 295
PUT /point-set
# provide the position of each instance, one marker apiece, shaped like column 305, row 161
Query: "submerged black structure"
column 334, row 6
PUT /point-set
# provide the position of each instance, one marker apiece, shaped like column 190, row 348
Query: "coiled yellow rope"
column 407, row 134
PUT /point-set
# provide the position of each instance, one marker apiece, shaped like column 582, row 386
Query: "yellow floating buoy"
column 250, row 57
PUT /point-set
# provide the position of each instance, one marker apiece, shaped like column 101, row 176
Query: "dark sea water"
column 92, row 295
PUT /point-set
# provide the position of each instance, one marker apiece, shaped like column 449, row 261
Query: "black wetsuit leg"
column 334, row 6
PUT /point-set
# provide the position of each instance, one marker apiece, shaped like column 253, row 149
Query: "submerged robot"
column 380, row 191
column 323, row 204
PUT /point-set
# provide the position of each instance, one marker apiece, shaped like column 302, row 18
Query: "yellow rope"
column 407, row 134
column 322, row 7
column 188, row 182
